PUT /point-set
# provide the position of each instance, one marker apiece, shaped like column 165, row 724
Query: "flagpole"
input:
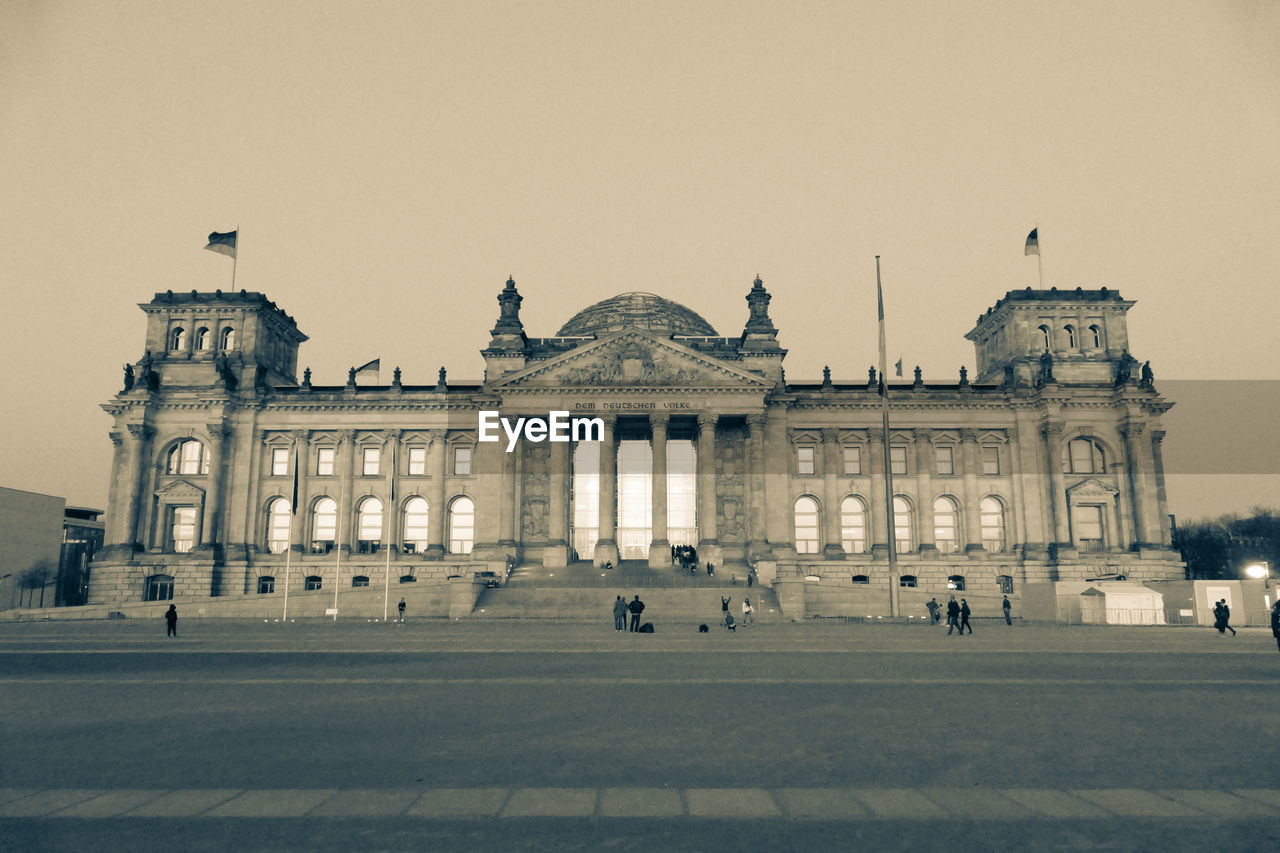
column 391, row 508
column 1039, row 256
column 235, row 259
column 337, row 571
column 888, row 459
column 288, row 553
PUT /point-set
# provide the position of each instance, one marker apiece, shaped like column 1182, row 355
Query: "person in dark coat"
column 171, row 619
column 619, row 614
column 1006, row 607
column 953, row 615
column 636, row 607
column 1217, row 618
column 933, row 607
column 964, row 617
column 1275, row 622
column 1225, row 615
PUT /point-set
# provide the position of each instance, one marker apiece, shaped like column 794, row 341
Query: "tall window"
column 202, row 339
column 182, row 529
column 188, row 457
column 945, row 458
column 369, row 525
column 1044, row 338
column 635, row 499
column 992, row 512
column 1095, row 337
column 682, row 493
column 324, row 525
column 371, row 457
column 806, row 526
column 462, row 460
column 1082, row 456
column 1071, row 336
column 853, row 460
column 945, row 523
column 415, row 525
column 586, row 498
column 804, row 460
column 278, row 519
column 902, row 525
column 228, row 340
column 898, row 460
column 1088, row 521
column 324, row 461
column 853, row 525
column 462, row 526
column 159, row 588
column 279, row 461
column 417, row 461
column 178, row 339
column 990, row 460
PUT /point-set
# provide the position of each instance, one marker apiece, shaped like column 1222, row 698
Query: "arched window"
column 853, row 525
column 908, row 581
column 202, row 338
column 369, row 525
column 1095, row 337
column 462, row 526
column 902, row 525
column 992, row 512
column 806, row 526
column 313, row 583
column 1083, row 456
column 159, row 588
column 946, row 518
column 188, row 457
column 178, row 338
column 324, row 526
column 266, row 585
column 278, row 520
column 227, row 341
column 955, row 582
column 1071, row 336
column 1044, row 337
column 415, row 526
column 360, row 580
column 861, row 579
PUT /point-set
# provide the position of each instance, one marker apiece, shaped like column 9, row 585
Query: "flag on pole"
column 374, row 367
column 293, row 502
column 880, row 312
column 1033, row 243
column 223, row 244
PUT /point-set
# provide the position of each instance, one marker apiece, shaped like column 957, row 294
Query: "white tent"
column 1114, row 602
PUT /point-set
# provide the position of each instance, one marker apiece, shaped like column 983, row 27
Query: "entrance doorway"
column 635, row 499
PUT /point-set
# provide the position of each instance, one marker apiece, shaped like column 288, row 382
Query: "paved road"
column 548, row 734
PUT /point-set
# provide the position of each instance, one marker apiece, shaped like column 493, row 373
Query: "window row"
column 203, row 339
column 1069, row 337
column 312, row 583
column 956, row 583
column 854, row 523
column 370, row 458
column 414, row 534
column 945, row 460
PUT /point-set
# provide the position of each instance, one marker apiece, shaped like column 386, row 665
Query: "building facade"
column 1046, row 466
column 45, row 549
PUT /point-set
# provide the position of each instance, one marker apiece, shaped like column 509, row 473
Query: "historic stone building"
column 1045, row 466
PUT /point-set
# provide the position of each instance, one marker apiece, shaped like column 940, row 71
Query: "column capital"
column 302, row 436
column 1052, row 430
column 117, row 437
column 217, row 431
column 875, row 434
column 922, row 436
column 1157, row 435
column 1133, row 429
column 345, row 436
column 659, row 421
column 706, row 419
column 756, row 420
column 830, row 436
column 140, row 432
column 969, row 436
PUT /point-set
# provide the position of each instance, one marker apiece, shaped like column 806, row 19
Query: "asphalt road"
column 265, row 706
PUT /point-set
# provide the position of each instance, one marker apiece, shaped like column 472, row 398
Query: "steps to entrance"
column 665, row 605
column 629, row 574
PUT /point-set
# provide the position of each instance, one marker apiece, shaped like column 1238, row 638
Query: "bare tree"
column 40, row 575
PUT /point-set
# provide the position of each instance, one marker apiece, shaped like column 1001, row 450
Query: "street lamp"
column 1259, row 571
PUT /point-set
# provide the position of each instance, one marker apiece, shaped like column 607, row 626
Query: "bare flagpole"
column 391, row 508
column 888, row 462
column 337, row 570
column 288, row 552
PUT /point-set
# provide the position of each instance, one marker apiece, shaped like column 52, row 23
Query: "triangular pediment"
column 632, row 359
column 180, row 490
column 1092, row 488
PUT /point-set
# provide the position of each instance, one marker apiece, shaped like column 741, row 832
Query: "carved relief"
column 535, row 493
column 731, row 469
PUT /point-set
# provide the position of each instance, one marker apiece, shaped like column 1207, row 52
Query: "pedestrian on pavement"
column 748, row 612
column 710, row 568
column 964, row 617
column 933, row 608
column 400, row 609
column 1226, row 617
column 1217, row 618
column 953, row 615
column 1275, row 622
column 751, row 578
column 636, row 607
column 171, row 619
column 620, row 614
column 1006, row 607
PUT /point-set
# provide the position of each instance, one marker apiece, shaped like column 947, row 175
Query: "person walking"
column 400, row 608
column 953, row 615
column 933, row 607
column 964, row 617
column 1226, row 618
column 1006, row 607
column 748, row 612
column 171, row 620
column 619, row 614
column 636, row 607
column 1275, row 622
column 1217, row 618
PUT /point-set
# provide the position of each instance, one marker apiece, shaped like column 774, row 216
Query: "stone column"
column 831, row 549
column 607, row 543
column 756, row 510
column 140, row 440
column 438, row 450
column 660, row 547
column 507, row 499
column 1139, row 465
column 346, row 460
column 111, row 534
column 1162, row 498
column 879, row 510
column 972, row 460
column 707, row 509
column 556, row 552
column 1052, row 434
column 925, row 463
column 302, row 467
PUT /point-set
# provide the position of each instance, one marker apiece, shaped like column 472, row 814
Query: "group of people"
column 621, row 607
column 1222, row 618
column 958, row 614
column 748, row 612
column 687, row 557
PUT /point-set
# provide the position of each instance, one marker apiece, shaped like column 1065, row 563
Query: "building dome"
column 636, row 310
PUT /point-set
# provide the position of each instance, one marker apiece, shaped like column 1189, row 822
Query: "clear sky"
column 389, row 164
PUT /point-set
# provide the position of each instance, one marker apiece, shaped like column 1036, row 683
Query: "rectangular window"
column 853, row 460
column 462, row 460
column 417, row 461
column 1088, row 521
column 279, row 462
column 182, row 532
column 371, row 457
column 324, row 462
column 945, row 460
column 898, row 460
column 804, row 460
column 991, row 460
column 1006, row 584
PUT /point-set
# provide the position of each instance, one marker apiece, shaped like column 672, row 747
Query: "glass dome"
column 636, row 310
